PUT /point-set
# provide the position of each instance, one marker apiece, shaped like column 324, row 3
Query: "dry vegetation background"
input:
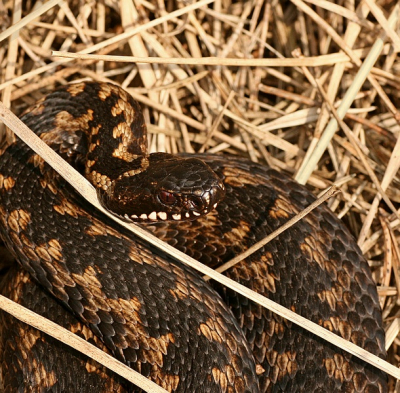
column 265, row 94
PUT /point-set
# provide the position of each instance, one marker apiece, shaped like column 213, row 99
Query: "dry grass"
column 288, row 63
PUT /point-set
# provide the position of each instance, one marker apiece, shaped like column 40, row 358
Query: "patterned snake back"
column 159, row 316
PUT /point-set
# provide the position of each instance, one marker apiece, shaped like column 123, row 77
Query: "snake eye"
column 167, row 198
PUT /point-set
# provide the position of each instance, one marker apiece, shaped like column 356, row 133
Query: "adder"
column 150, row 311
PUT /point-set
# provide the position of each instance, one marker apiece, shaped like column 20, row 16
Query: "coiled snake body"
column 151, row 312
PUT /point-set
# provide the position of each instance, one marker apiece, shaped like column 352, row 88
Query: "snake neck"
column 111, row 138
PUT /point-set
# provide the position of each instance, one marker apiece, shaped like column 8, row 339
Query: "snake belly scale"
column 151, row 312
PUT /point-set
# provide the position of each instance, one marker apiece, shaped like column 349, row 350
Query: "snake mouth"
column 170, row 206
column 168, row 216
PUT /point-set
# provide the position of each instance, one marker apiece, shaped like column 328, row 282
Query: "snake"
column 78, row 267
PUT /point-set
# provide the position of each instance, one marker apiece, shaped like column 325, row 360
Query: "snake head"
column 170, row 188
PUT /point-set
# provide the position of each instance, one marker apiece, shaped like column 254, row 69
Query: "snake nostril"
column 196, row 204
column 167, row 198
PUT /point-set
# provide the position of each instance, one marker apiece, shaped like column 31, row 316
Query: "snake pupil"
column 167, row 198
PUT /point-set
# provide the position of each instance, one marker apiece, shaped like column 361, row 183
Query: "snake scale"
column 152, row 312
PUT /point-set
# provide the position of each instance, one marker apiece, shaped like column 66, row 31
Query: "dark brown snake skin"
column 159, row 316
